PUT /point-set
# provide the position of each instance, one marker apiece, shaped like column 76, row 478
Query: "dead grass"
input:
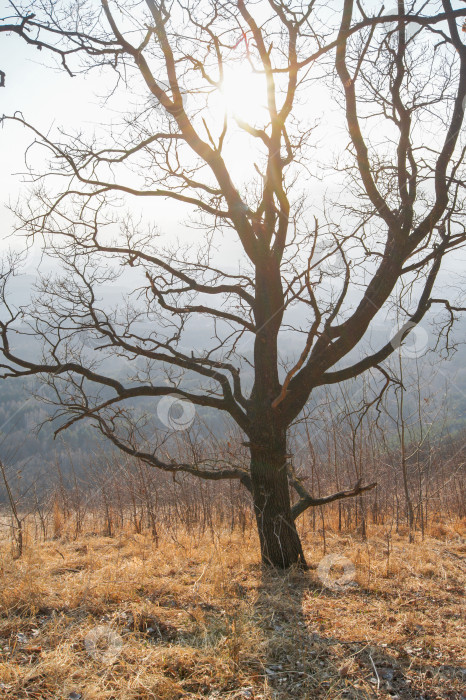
column 102, row 618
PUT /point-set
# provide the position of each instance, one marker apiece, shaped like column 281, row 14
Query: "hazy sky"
column 49, row 98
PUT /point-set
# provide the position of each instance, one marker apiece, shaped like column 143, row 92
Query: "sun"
column 243, row 93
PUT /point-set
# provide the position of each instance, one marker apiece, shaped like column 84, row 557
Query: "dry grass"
column 201, row 620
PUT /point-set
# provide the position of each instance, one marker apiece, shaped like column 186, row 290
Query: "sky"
column 48, row 97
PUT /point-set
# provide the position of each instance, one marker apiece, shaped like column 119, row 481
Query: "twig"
column 375, row 670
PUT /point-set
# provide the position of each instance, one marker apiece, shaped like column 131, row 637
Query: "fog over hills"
column 22, row 412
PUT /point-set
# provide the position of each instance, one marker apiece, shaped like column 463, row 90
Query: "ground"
column 196, row 617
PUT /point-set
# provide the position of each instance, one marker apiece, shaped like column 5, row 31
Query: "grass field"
column 101, row 618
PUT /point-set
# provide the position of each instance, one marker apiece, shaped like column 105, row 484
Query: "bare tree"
column 17, row 519
column 313, row 271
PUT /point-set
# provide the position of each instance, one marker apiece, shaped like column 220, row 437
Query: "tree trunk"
column 279, row 539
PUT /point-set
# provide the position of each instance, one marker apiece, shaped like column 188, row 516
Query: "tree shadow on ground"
column 302, row 661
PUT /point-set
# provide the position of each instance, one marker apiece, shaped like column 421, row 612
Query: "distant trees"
column 16, row 517
column 312, row 268
column 114, row 494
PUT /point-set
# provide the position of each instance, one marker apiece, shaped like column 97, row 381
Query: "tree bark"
column 279, row 539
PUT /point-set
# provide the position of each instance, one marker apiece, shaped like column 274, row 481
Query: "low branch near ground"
column 307, row 501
